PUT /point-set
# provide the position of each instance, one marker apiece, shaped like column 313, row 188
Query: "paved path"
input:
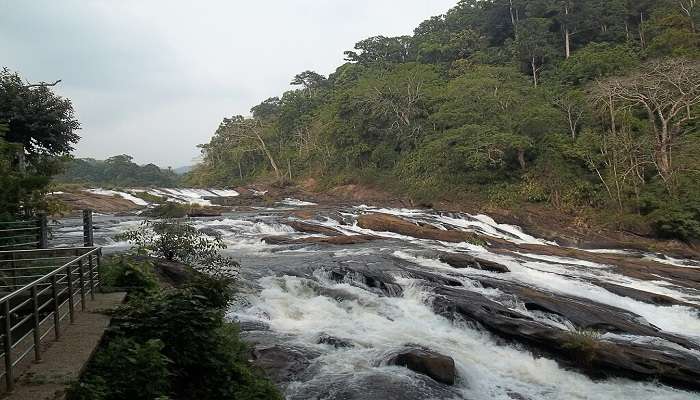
column 63, row 361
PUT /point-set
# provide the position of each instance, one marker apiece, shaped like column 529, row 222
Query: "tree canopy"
column 574, row 103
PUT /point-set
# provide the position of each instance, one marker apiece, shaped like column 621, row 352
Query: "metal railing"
column 24, row 234
column 42, row 288
column 39, row 233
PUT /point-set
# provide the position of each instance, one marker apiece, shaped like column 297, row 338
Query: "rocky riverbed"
column 360, row 302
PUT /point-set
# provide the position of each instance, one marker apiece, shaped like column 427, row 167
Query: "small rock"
column 437, row 366
column 334, row 341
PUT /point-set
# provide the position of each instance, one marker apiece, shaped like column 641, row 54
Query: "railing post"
column 71, row 306
column 43, row 231
column 82, row 285
column 56, row 306
column 88, row 238
column 91, row 278
column 37, row 333
column 9, row 378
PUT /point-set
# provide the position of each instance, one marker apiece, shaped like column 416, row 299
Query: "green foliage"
column 125, row 272
column 511, row 101
column 181, row 241
column 174, row 344
column 37, row 130
column 597, row 60
column 125, row 369
column 117, row 171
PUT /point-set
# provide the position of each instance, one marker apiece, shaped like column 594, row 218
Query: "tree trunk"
column 273, row 164
column 567, row 40
column 534, row 71
column 521, row 159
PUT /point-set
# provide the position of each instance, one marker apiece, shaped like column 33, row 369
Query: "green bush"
column 676, row 222
column 183, row 337
column 125, row 369
column 181, row 241
column 125, row 272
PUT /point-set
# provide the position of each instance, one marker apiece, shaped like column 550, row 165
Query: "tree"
column 533, row 45
column 381, row 49
column 668, row 92
column 310, row 80
column 41, row 121
column 247, row 135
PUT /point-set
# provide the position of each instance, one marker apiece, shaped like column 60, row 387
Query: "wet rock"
column 640, row 295
column 311, row 228
column 637, row 268
column 334, row 240
column 250, row 326
column 172, row 273
column 374, row 384
column 203, row 213
column 209, row 231
column 437, row 366
column 390, row 223
column 334, row 341
column 282, row 364
column 592, row 354
column 467, row 261
column 585, row 314
column 376, row 281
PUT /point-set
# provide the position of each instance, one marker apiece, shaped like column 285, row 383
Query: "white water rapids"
column 285, row 288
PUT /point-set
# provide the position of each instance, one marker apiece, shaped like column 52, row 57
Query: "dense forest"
column 581, row 104
column 119, row 170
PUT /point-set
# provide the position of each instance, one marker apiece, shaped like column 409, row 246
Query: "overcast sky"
column 153, row 78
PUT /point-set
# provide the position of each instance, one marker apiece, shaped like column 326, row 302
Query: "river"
column 328, row 316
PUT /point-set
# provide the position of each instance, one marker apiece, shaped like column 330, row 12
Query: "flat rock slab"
column 64, row 361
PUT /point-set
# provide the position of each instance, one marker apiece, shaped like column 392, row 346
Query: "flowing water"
column 289, row 299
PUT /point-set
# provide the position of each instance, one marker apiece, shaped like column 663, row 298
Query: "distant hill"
column 183, row 170
column 117, row 171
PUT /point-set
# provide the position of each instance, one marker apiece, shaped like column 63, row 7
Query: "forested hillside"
column 116, row 171
column 581, row 104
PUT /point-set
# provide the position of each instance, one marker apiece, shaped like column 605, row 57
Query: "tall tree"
column 668, row 92
column 533, row 45
column 41, row 121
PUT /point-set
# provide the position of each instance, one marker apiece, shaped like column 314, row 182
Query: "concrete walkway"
column 63, row 361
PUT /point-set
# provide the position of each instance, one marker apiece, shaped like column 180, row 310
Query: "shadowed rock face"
column 467, row 261
column 437, row 366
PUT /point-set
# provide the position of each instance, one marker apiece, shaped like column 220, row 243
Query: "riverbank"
column 581, row 229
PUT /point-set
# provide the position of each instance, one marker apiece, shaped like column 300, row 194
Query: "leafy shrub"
column 675, row 222
column 181, row 241
column 125, row 272
column 125, row 369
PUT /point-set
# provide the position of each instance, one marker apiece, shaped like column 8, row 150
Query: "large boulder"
column 586, row 348
column 390, row 223
column 467, row 261
column 282, row 364
column 311, row 228
column 439, row 367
